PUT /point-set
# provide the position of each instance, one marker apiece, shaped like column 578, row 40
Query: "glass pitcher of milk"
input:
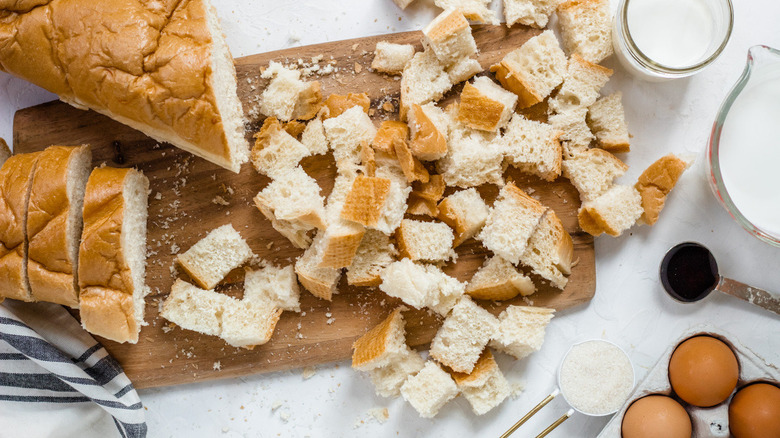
column 744, row 149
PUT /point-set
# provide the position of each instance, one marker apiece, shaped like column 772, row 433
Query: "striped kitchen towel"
column 57, row 381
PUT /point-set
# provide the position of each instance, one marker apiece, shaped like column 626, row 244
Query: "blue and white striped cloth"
column 56, row 380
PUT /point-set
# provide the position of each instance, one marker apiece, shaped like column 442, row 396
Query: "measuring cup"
column 689, row 273
column 557, row 392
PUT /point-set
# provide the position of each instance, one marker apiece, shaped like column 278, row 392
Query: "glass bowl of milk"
column 743, row 155
column 658, row 40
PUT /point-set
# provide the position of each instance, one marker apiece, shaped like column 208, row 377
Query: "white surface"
column 630, row 307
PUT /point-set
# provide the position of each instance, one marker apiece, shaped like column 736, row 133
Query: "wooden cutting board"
column 189, row 197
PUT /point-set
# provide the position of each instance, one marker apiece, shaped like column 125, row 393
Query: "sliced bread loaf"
column 533, row 147
column 391, row 58
column 586, row 28
column 592, row 172
column 464, row 334
column 615, row 211
column 465, row 212
column 112, row 254
column 485, row 105
column 521, row 330
column 498, row 280
column 425, row 241
column 429, row 390
column 485, row 387
column 608, row 121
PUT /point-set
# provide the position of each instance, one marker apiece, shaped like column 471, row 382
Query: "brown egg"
column 656, row 416
column 703, row 371
column 754, row 412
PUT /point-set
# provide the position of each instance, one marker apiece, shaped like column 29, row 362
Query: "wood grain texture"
column 184, row 206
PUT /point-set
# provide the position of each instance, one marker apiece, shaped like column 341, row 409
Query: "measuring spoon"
column 689, row 273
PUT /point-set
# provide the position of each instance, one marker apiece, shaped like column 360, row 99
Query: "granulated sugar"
column 596, row 377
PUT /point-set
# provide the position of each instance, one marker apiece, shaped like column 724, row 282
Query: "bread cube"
column 608, row 121
column 402, row 3
column 321, row 282
column 550, row 251
column 474, row 10
column 421, row 286
column 463, row 70
column 214, row 256
column 346, row 133
column 511, row 222
column 464, row 334
column 428, row 128
column 586, row 28
column 498, row 280
column 449, row 37
column 473, row 158
column 412, row 169
column 424, row 80
column 613, row 212
column 381, row 345
column 389, row 131
column 280, row 96
column 592, row 172
column 276, row 152
column 533, row 147
column 656, row 182
column 247, row 324
column 391, row 58
column 533, row 13
column 388, row 379
column 429, row 390
column 576, row 135
column 314, row 139
column 465, row 212
column 534, row 70
column 485, row 105
column 485, row 387
column 581, row 85
column 426, row 241
column 373, row 255
column 521, row 330
column 272, row 285
column 195, row 309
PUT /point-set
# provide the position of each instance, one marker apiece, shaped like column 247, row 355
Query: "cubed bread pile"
column 75, row 236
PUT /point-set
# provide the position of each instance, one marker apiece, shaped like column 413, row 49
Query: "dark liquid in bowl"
column 689, row 272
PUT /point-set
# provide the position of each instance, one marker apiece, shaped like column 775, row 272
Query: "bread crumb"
column 217, row 366
column 516, row 388
column 276, row 405
column 387, row 106
column 380, row 414
column 358, row 68
column 355, row 46
column 158, row 196
column 175, row 248
column 219, row 200
column 308, row 372
column 285, row 416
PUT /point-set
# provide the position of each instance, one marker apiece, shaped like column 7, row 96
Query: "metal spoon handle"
column 557, row 423
column 531, row 413
column 753, row 295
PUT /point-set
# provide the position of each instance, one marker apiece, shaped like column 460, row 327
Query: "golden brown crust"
column 428, row 142
column 450, row 25
column 477, row 110
column 499, row 291
column 564, row 244
column 419, row 206
column 388, row 131
column 309, row 102
column 341, row 248
column 656, row 182
column 108, row 313
column 366, row 200
column 451, row 217
column 270, row 128
column 373, row 344
column 433, row 190
column 50, row 265
column 412, row 168
column 15, row 181
column 151, row 68
column 513, row 81
column 593, row 223
column 336, row 104
column 294, row 128
column 368, row 158
column 314, row 285
column 615, row 148
column 485, row 365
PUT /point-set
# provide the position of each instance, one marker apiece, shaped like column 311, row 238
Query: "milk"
column 673, row 33
column 749, row 153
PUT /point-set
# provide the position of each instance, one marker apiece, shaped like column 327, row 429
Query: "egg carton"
column 707, row 422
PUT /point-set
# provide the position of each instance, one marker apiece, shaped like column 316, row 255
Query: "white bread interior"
column 273, row 285
column 474, row 10
column 533, row 13
column 425, row 241
column 533, row 147
column 581, row 85
column 607, row 119
column 521, row 330
column 615, row 211
column 429, row 390
column 464, row 334
column 391, row 58
column 485, row 387
column 592, row 172
column 586, row 28
column 210, row 259
column 421, row 286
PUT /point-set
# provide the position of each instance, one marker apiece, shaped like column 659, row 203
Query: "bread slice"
column 5, row 152
column 485, row 387
column 474, row 10
column 521, row 330
column 428, row 128
column 421, row 286
column 412, row 168
column 576, row 135
column 534, row 70
column 320, row 282
column 511, row 222
column 586, row 28
column 533, row 13
column 424, row 80
column 388, row 379
column 275, row 151
column 209, row 260
column 346, row 133
column 449, row 37
column 533, row 147
column 287, row 97
column 112, row 254
column 274, row 286
column 608, row 121
column 389, row 131
column 463, row 70
column 581, row 87
column 314, row 139
column 338, row 104
column 429, row 390
column 465, row 212
column 485, row 105
column 613, row 212
column 425, row 241
column 373, row 255
column 498, row 280
column 294, row 206
column 391, row 58
column 464, row 334
column 54, row 223
column 192, row 308
column 656, row 182
column 16, row 178
column 246, row 324
column 473, row 158
column 381, row 345
column 592, row 172
column 550, row 251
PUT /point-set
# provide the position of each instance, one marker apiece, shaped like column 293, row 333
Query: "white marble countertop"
column 629, row 308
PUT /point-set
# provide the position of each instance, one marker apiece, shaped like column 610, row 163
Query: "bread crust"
column 336, row 104
column 366, row 200
column 373, row 345
column 514, row 82
column 15, row 182
column 479, row 111
column 389, row 131
column 411, row 166
column 428, row 142
column 656, row 182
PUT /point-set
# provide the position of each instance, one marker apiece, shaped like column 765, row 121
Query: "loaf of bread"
column 54, row 223
column 160, row 67
column 112, row 254
column 15, row 182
